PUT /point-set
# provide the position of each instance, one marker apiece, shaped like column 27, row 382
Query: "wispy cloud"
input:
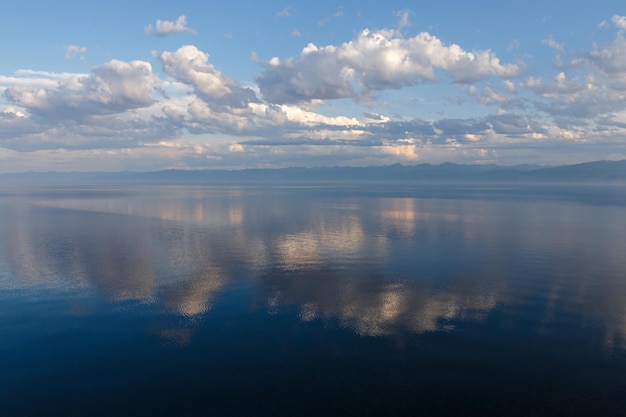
column 617, row 20
column 551, row 43
column 73, row 50
column 167, row 27
column 403, row 19
column 338, row 13
column 286, row 12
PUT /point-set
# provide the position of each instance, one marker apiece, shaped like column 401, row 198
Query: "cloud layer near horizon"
column 182, row 111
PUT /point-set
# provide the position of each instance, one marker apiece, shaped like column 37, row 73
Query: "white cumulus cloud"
column 191, row 66
column 107, row 108
column 111, row 88
column 373, row 61
column 619, row 21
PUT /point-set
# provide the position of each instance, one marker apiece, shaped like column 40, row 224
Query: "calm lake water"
column 312, row 301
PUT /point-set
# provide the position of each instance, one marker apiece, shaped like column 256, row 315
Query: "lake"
column 313, row 300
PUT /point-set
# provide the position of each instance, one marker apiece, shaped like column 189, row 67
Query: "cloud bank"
column 329, row 105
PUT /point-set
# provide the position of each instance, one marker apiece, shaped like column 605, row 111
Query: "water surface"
column 317, row 300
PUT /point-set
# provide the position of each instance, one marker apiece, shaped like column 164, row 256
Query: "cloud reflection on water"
column 376, row 265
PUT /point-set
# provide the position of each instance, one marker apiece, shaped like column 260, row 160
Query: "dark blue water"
column 320, row 301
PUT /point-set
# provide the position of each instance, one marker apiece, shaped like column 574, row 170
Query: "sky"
column 133, row 86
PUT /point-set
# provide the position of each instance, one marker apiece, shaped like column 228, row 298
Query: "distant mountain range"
column 598, row 171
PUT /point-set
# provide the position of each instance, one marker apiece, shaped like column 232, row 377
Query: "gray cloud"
column 513, row 124
column 403, row 128
column 455, row 127
column 102, row 132
column 14, row 125
column 303, row 140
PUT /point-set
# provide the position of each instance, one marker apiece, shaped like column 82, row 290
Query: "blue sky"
column 109, row 86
